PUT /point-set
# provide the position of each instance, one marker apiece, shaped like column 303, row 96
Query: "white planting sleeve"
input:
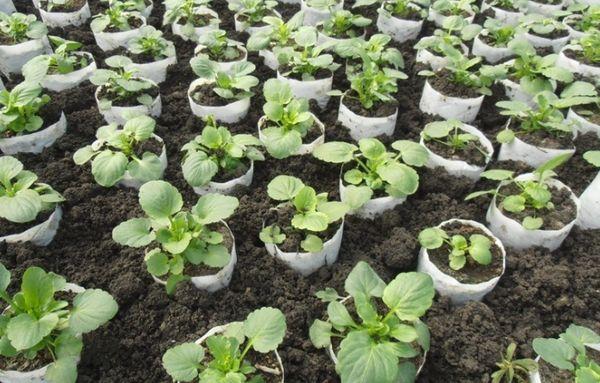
column 116, row 113
column 514, row 92
column 589, row 214
column 364, row 127
column 7, row 6
column 462, row 109
column 313, row 16
column 155, row 71
column 311, row 90
column 13, row 57
column 226, row 66
column 269, row 57
column 439, row 19
column 177, row 28
column 491, row 54
column 400, row 30
column 581, row 124
column 41, row 234
column 573, row 33
column 323, row 39
column 506, row 17
column 230, row 113
column 240, row 27
column 63, row 19
column 424, row 56
column 519, row 150
column 543, row 42
column 35, row 142
column 575, row 66
column 227, row 186
column 543, row 9
column 60, row 82
column 304, row 148
column 374, row 206
column 108, row 41
column 131, row 182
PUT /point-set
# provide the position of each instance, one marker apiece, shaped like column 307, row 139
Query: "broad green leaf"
column 532, row 223
column 404, row 333
column 401, row 177
column 23, row 207
column 556, row 352
column 306, row 199
column 149, row 168
column 335, row 210
column 157, row 262
column 4, row 277
column 284, row 188
column 182, row 362
column 198, row 170
column 25, row 331
column 356, row 196
column 412, row 153
column 312, row 244
column 371, row 148
column 67, row 345
column 217, row 256
column 63, row 370
column 409, row 295
column 432, row 237
column 160, row 200
column 335, row 152
column 10, row 167
column 497, row 174
column 37, row 288
column 265, row 329
column 281, row 144
column 136, row 232
column 83, row 155
column 339, row 315
column 214, row 207
column 108, row 167
column 320, row 333
column 313, row 221
column 91, row 309
column 364, row 280
column 514, row 203
column 362, row 360
column 593, row 157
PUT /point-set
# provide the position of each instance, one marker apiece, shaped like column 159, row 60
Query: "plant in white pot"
column 130, row 156
column 29, row 210
column 589, row 215
column 512, row 370
column 441, row 9
column 464, row 259
column 376, row 334
column 583, row 55
column 305, row 68
column 316, row 11
column 583, row 100
column 142, row 6
column 225, row 95
column 377, row 48
column 121, row 92
column 66, row 68
column 545, row 32
column 249, row 14
column 22, row 125
column 305, row 229
column 507, row 12
column 288, row 124
column 534, row 135
column 342, row 25
column 22, row 37
column 42, row 325
column 217, row 161
column 236, row 352
column 533, row 209
column 457, row 91
column 182, row 244
column 581, row 18
column 62, row 13
column 373, row 179
column 401, row 19
column 215, row 46
column 545, row 7
column 151, row 54
column 492, row 42
column 190, row 19
column 461, row 149
column 115, row 26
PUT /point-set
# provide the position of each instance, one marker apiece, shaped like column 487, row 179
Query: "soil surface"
column 442, row 82
column 221, row 58
column 472, row 153
column 539, row 295
column 578, row 56
column 205, row 95
column 69, row 6
column 134, row 22
column 379, row 109
column 130, row 100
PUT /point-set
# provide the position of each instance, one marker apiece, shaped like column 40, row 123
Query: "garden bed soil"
column 471, row 153
column 443, row 84
column 134, row 22
column 508, row 9
column 69, row 6
column 473, row 272
column 551, row 374
column 379, row 109
column 221, row 58
column 151, row 145
column 131, row 100
column 578, row 56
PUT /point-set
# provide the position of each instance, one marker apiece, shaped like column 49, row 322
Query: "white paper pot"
column 108, row 41
column 462, row 109
column 543, row 9
column 41, row 234
column 131, row 182
column 513, row 234
column 438, row 18
column 589, row 213
column 60, row 82
column 506, row 17
column 519, row 150
column 220, row 329
column 580, row 124
column 323, row 39
column 308, row 263
column 514, row 92
column 364, row 127
column 13, row 57
column 535, row 377
column 7, row 6
column 424, row 56
column 35, row 142
column 304, row 148
column 398, row 29
column 240, row 27
column 269, row 57
column 449, row 286
column 218, row 281
column 573, row 33
column 575, row 66
column 115, row 113
column 491, row 54
column 313, row 16
column 543, row 42
column 312, row 90
column 155, row 71
column 227, row 186
column 458, row 167
column 63, row 19
column 230, row 113
column 374, row 206
column 226, row 66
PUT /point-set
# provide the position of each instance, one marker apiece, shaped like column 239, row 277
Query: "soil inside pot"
column 471, row 154
column 564, row 212
column 224, row 175
column 442, row 82
column 472, row 272
column 551, row 374
column 69, row 6
column 131, row 99
column 141, row 58
column 545, row 139
column 348, row 34
column 379, row 109
column 198, row 20
column 134, row 22
column 555, row 34
column 590, row 112
column 78, row 64
column 239, row 54
column 50, row 113
column 311, row 135
column 577, row 55
column 448, row 13
column 204, row 94
column 8, row 228
column 203, row 269
column 151, row 145
column 491, row 42
column 321, row 73
column 410, row 13
column 22, row 364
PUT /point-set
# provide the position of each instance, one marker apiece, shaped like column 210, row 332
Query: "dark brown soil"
column 411, row 14
column 44, row 357
column 224, row 176
column 151, row 145
column 555, row 34
column 509, row 9
column 220, row 58
column 489, row 40
column 549, row 373
column 549, row 2
column 77, row 66
column 70, row 6
column 134, row 23
column 471, row 154
column 442, row 82
column 205, row 95
column 547, row 140
column 472, row 272
column 202, row 269
column 578, row 56
column 380, row 109
column 131, row 100
column 593, row 118
column 199, row 20
column 265, row 360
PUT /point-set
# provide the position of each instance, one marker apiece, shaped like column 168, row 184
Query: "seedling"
column 313, row 213
column 180, row 236
column 462, row 251
column 233, row 85
column 117, row 16
column 58, row 5
column 581, row 95
column 186, row 13
column 36, row 322
column 590, row 46
column 252, row 12
column 64, row 60
column 455, row 7
column 383, row 337
column 22, row 198
column 20, row 28
column 376, row 48
column 279, row 34
column 344, row 24
column 455, row 30
column 568, row 353
column 542, row 25
column 217, row 150
column 117, row 152
column 225, row 359
column 449, row 133
column 371, row 168
column 151, row 42
column 402, row 9
column 120, row 84
column 20, row 108
column 218, row 47
column 129, row 5
column 588, row 17
column 501, row 34
column 513, row 370
column 323, row 5
column 533, row 196
column 509, row 5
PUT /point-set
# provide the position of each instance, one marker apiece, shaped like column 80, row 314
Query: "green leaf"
column 284, row 188
column 593, row 157
column 327, row 295
column 556, row 352
column 157, row 262
column 339, row 315
column 401, row 177
column 335, row 210
column 356, row 196
column 23, row 207
column 313, row 221
column 108, row 167
column 362, row 360
column 149, row 168
column 363, row 280
column 305, row 199
column 505, row 136
column 91, row 309
column 25, row 331
column 280, row 143
column 335, row 152
column 514, row 203
column 141, row 126
column 497, row 174
column 320, row 333
column 371, row 148
column 136, row 232
column 457, row 262
column 412, row 153
column 63, row 370
column 37, row 288
column 4, row 277
column 217, row 256
column 531, row 223
column 182, row 362
column 214, row 207
column 160, row 200
column 68, row 345
column 198, row 169
column 409, row 295
column 272, row 234
column 312, row 244
column 432, row 237
column 265, row 329
column 404, row 333
column 83, row 155
column 10, row 167
column 354, row 176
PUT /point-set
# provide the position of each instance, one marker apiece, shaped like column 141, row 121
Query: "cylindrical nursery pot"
column 35, row 142
column 543, row 42
column 41, row 234
column 436, row 62
column 227, row 186
column 115, row 113
column 589, row 213
column 220, row 329
column 513, row 234
column 225, row 66
column 13, row 57
column 63, row 19
column 459, row 167
column 269, row 58
column 581, row 124
column 312, row 89
column 313, row 16
column 462, row 109
column 230, row 113
column 308, row 263
column 108, row 41
column 574, row 34
column 218, row 281
column 304, row 148
column 7, row 6
column 575, row 66
column 543, row 9
column 506, row 17
column 155, row 71
column 514, row 92
column 363, row 126
column 240, row 27
column 374, row 206
column 323, row 39
column 449, row 286
column 60, row 82
column 130, row 182
column 535, row 377
column 177, row 28
column 490, row 53
column 400, row 30
column 439, row 19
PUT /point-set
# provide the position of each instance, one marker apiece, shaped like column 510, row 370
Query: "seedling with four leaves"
column 233, row 85
column 474, row 250
column 20, row 109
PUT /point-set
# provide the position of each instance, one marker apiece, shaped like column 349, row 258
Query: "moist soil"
column 539, row 295
column 220, row 58
column 23, row 364
column 70, row 6
column 508, row 9
column 7, row 227
column 489, row 40
column 547, row 140
column 578, row 56
column 555, row 34
column 78, row 64
column 379, row 109
column 198, row 20
column 141, row 58
column 590, row 113
column 133, row 22
column 205, row 95
column 410, row 14
column 551, row 374
column 131, row 99
column 228, row 175
column 267, row 360
column 472, row 272
column 313, row 133
column 203, row 269
column 151, row 145
column 471, row 153
column 442, row 83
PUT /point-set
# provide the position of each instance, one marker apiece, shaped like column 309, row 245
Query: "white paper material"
column 230, row 113
column 116, row 113
column 63, row 19
column 35, row 142
column 227, row 186
column 155, row 71
column 575, row 66
column 374, row 206
column 313, row 16
column 491, row 54
column 589, row 214
column 226, row 66
column 108, row 41
column 462, row 109
column 535, row 156
column 177, row 29
column 311, row 90
column 364, row 127
column 399, row 30
column 581, row 125
column 13, row 57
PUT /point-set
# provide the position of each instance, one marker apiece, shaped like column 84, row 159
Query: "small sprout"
column 401, row 9
column 589, row 44
column 513, row 370
column 118, row 15
column 323, row 5
column 476, row 249
column 450, row 134
column 501, row 34
column 455, row 30
column 20, row 109
column 150, row 41
column 233, row 85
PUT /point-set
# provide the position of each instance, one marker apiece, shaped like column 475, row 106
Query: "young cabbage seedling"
column 186, row 13
column 343, row 24
column 22, row 198
column 119, row 151
column 60, row 5
column 20, row 108
column 217, row 150
column 233, row 85
column 226, row 357
column 117, row 16
column 130, row 5
column 508, row 5
column 64, row 60
column 182, row 236
column 589, row 47
column 150, row 42
column 455, row 30
column 543, row 26
column 312, row 213
column 279, row 34
column 568, row 353
column 370, row 168
column 474, row 250
column 499, row 33
column 376, row 48
column 18, row 28
column 455, row 7
column 449, row 133
column 511, row 370
column 252, row 12
column 582, row 96
column 217, row 47
column 323, row 5
column 401, row 9
column 383, row 339
column 36, row 323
